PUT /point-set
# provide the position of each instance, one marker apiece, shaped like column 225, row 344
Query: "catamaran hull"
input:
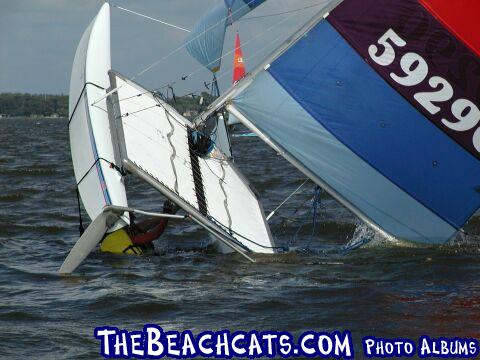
column 99, row 183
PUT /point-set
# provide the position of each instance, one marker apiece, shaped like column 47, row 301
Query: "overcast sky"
column 38, row 39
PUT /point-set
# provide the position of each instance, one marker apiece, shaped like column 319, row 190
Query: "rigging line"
column 80, row 98
column 228, row 71
column 156, row 63
column 280, row 13
column 287, row 199
column 111, row 164
column 153, row 140
column 200, row 68
column 151, row 18
column 134, row 114
column 315, row 207
column 165, row 106
column 137, row 111
column 302, row 224
column 222, row 75
column 233, row 232
column 81, row 229
column 152, row 91
column 288, row 220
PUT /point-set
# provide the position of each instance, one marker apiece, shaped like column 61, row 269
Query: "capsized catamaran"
column 377, row 101
column 133, row 131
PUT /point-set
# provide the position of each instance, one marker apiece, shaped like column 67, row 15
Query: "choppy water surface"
column 383, row 290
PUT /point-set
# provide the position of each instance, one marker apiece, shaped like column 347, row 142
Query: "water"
column 382, row 290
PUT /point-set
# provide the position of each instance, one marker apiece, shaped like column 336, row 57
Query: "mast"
column 247, row 80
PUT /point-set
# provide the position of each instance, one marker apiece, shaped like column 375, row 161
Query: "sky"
column 38, row 39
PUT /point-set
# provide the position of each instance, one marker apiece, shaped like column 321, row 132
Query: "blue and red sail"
column 380, row 101
column 206, row 41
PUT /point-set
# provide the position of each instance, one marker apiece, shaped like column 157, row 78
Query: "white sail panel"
column 231, row 203
column 157, row 142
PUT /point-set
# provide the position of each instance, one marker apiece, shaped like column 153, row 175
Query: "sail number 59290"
column 415, row 71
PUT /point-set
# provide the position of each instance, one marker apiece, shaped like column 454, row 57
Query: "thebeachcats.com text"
column 152, row 342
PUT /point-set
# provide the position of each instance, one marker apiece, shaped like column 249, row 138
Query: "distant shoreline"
column 19, row 105
column 33, row 117
column 35, row 106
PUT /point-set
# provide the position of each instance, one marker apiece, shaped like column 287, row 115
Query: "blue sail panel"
column 205, row 43
column 384, row 203
column 328, row 78
column 254, row 3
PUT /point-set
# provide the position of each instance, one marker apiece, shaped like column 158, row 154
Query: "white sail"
column 157, row 142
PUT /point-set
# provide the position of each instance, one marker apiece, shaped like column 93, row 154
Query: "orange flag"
column 238, row 64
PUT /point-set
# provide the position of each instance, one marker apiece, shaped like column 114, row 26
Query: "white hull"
column 90, row 138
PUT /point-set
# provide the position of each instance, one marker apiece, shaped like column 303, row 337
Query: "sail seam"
column 292, row 158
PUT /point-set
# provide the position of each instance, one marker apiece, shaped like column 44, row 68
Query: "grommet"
column 435, row 163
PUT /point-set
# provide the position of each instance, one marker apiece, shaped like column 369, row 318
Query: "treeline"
column 191, row 103
column 27, row 105
column 14, row 104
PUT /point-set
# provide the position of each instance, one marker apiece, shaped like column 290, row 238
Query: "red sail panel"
column 238, row 64
column 461, row 17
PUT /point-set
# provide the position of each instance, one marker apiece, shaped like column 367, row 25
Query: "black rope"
column 215, row 91
column 80, row 98
column 233, row 232
column 81, row 229
column 173, row 94
column 111, row 164
column 197, row 176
